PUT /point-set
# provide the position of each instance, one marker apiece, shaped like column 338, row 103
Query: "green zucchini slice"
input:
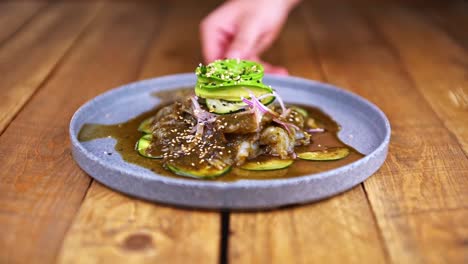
column 145, row 126
column 271, row 164
column 142, row 146
column 205, row 172
column 300, row 110
column 325, row 155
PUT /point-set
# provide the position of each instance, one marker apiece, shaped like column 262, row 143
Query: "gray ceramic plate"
column 364, row 127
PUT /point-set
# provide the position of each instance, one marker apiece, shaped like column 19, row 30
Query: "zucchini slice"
column 205, row 172
column 325, row 155
column 145, row 126
column 271, row 164
column 142, row 146
column 222, row 107
column 300, row 110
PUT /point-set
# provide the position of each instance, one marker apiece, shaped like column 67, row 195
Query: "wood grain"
column 409, row 59
column 423, row 180
column 451, row 16
column 41, row 187
column 176, row 47
column 111, row 227
column 441, row 77
column 338, row 230
column 15, row 14
column 28, row 58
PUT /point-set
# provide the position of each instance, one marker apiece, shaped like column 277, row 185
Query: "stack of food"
column 233, row 119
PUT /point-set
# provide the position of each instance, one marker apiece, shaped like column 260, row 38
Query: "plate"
column 364, row 127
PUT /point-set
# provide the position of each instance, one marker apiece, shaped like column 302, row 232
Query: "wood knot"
column 137, row 242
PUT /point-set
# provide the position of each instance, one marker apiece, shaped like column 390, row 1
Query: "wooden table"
column 409, row 59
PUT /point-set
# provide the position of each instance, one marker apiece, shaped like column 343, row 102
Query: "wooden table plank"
column 15, row 14
column 422, row 184
column 28, row 58
column 176, row 48
column 115, row 228
column 41, row 187
column 338, row 230
column 440, row 77
column 418, row 198
column 452, row 16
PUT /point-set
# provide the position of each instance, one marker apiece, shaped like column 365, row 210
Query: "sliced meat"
column 243, row 147
column 277, row 142
column 239, row 123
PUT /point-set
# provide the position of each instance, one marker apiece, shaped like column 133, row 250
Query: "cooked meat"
column 188, row 133
column 277, row 141
column 239, row 123
column 244, row 146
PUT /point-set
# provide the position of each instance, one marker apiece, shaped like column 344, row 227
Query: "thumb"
column 244, row 42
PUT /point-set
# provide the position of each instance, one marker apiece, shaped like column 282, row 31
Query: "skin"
column 244, row 29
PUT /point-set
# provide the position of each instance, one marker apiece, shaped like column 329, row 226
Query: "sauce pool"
column 126, row 135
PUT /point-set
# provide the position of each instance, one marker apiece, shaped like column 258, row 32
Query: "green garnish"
column 224, row 79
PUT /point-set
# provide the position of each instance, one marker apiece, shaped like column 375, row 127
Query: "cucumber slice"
column 325, row 155
column 225, row 107
column 199, row 173
column 271, row 164
column 142, row 146
column 145, row 126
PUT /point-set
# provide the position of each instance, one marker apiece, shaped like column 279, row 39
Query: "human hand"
column 244, row 29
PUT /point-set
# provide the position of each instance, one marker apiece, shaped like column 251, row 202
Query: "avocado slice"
column 230, row 80
column 233, row 94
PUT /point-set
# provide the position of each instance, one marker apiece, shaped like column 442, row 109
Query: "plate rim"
column 243, row 183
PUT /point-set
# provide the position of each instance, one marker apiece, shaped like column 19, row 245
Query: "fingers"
column 213, row 43
column 234, row 31
column 244, row 43
column 216, row 32
column 272, row 69
column 264, row 43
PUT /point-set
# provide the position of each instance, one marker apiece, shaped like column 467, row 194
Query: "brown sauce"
column 126, row 135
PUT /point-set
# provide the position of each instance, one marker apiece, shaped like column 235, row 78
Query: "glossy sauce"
column 126, row 135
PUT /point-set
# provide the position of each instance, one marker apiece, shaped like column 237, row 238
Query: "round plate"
column 364, row 127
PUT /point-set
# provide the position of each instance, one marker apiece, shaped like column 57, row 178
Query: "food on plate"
column 233, row 121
